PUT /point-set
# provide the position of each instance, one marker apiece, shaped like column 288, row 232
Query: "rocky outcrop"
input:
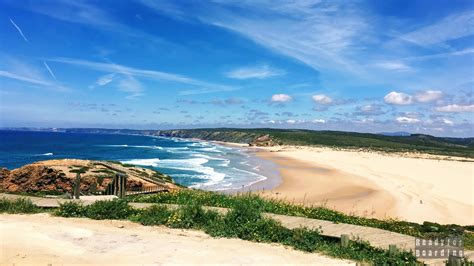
column 34, row 178
column 263, row 141
column 58, row 176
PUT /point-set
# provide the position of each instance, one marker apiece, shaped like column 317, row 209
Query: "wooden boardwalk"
column 376, row 237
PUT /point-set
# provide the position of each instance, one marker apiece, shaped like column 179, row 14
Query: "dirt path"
column 41, row 240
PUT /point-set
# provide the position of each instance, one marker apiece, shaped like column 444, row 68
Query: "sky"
column 365, row 66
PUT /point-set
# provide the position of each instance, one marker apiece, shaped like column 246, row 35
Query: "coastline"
column 415, row 187
column 267, row 168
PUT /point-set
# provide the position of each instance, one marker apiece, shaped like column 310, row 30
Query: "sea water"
column 196, row 164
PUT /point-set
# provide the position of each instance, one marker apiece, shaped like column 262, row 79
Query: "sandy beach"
column 411, row 187
column 44, row 240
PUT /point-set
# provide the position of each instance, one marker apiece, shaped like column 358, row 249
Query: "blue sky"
column 367, row 66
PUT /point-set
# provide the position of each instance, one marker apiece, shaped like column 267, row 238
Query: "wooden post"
column 115, row 188
column 344, row 240
column 93, row 188
column 77, row 186
column 392, row 250
column 122, row 184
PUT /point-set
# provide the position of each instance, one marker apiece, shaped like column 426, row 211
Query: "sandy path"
column 40, row 240
column 375, row 184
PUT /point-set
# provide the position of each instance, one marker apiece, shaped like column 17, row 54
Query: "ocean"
column 196, row 164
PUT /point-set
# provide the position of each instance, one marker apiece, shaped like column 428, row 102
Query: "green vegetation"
column 20, row 205
column 244, row 221
column 205, row 198
column 80, row 170
column 413, row 143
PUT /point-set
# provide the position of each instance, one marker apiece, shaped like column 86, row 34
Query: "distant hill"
column 268, row 137
column 399, row 133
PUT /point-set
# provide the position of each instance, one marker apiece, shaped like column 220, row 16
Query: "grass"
column 20, row 205
column 244, row 221
column 205, row 198
column 81, row 170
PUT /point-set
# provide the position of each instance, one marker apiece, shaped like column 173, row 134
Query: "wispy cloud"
column 105, row 79
column 254, row 72
column 393, row 65
column 317, row 33
column 85, row 13
column 49, row 70
column 449, row 28
column 31, row 80
column 19, row 30
column 205, row 87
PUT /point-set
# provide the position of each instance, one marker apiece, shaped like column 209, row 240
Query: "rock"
column 263, row 141
column 58, row 176
column 34, row 178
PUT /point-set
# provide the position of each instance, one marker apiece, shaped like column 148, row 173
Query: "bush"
column 155, row 215
column 304, row 239
column 191, row 216
column 109, row 209
column 70, row 209
column 20, row 205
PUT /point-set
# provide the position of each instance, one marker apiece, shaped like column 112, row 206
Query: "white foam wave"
column 143, row 162
column 195, row 165
column 47, row 154
column 210, row 149
column 135, row 146
column 177, row 148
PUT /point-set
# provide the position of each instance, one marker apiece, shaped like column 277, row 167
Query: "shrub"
column 155, row 215
column 191, row 216
column 109, row 209
column 20, row 205
column 70, row 209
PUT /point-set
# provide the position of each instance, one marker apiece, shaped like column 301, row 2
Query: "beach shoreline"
column 414, row 187
column 409, row 186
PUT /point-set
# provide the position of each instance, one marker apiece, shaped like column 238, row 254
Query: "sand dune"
column 407, row 186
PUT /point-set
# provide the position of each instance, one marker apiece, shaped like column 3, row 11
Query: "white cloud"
column 19, row 30
column 319, row 121
column 398, row 98
column 281, row 98
column 291, row 121
column 256, row 72
column 455, row 108
column 428, row 96
column 448, row 122
column 322, row 99
column 406, row 120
